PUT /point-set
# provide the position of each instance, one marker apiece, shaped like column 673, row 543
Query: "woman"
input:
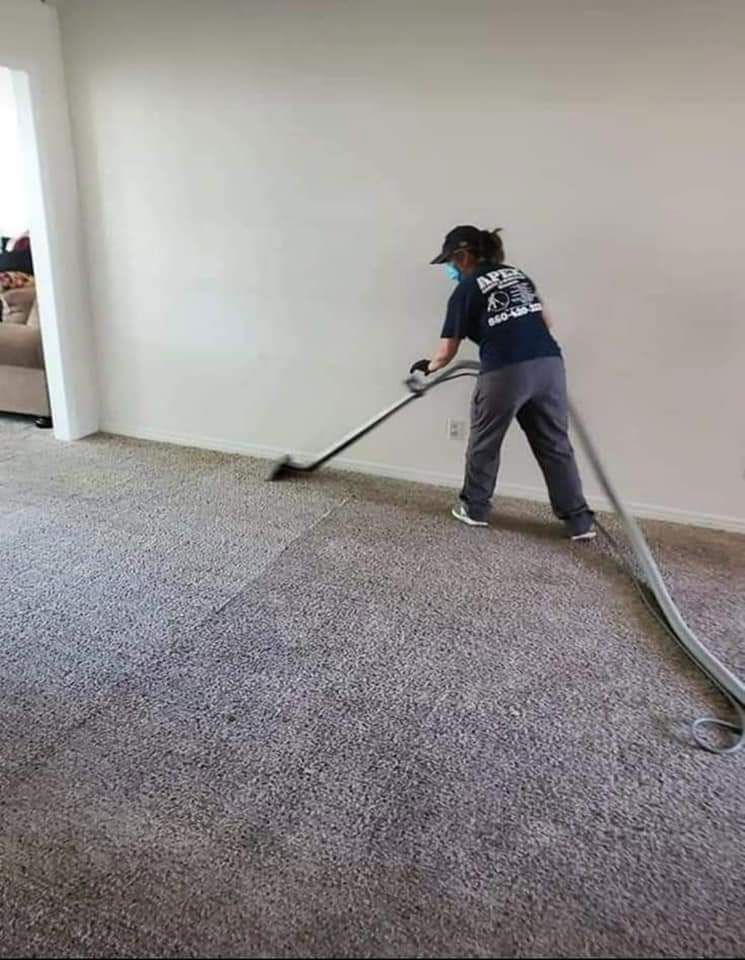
column 522, row 376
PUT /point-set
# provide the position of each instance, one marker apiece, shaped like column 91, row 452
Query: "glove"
column 421, row 366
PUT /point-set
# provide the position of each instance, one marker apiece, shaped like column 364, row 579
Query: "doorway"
column 31, row 49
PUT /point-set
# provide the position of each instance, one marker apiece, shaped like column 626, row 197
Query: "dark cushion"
column 19, row 260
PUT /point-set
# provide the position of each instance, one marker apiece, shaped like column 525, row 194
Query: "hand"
column 421, row 366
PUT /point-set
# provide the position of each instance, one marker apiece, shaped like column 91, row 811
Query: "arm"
column 457, row 326
column 547, row 318
column 446, row 350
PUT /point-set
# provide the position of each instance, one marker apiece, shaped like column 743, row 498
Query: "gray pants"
column 535, row 393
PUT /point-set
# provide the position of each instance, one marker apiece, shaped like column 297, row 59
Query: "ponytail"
column 491, row 248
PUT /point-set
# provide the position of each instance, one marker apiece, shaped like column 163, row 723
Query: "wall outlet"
column 456, row 429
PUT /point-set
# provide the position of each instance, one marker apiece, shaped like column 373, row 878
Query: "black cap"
column 459, row 238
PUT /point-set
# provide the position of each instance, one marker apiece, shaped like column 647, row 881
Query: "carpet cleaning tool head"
column 284, row 468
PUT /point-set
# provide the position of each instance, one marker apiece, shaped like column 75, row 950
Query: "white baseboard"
column 522, row 492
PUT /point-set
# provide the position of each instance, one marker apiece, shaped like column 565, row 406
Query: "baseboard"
column 644, row 511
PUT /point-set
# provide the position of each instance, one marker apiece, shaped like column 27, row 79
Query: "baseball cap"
column 460, row 238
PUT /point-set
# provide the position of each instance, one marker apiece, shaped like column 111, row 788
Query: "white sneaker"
column 587, row 535
column 460, row 512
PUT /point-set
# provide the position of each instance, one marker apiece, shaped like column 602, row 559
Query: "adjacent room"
column 387, row 548
column 23, row 389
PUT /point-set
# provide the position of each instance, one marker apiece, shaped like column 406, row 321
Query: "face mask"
column 453, row 272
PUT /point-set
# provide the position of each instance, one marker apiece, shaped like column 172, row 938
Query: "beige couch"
column 23, row 382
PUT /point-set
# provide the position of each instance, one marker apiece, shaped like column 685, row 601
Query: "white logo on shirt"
column 498, row 301
column 513, row 313
column 503, row 278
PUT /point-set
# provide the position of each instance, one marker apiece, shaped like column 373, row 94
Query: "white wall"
column 264, row 182
column 30, row 46
column 13, row 206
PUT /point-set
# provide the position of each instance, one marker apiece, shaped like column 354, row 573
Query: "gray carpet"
column 321, row 719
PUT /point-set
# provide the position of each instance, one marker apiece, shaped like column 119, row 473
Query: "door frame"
column 55, row 222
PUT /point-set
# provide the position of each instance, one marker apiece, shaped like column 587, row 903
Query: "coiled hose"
column 657, row 599
column 651, row 586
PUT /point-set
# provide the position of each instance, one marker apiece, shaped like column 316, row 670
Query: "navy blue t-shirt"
column 499, row 309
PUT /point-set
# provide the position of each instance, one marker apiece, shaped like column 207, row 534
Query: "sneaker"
column 460, row 512
column 585, row 535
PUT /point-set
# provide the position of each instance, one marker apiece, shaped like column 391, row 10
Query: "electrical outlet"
column 456, row 429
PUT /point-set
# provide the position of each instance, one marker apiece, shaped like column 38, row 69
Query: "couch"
column 23, row 382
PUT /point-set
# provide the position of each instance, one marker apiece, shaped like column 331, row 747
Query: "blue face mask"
column 453, row 272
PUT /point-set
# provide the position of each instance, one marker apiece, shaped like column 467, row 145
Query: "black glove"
column 421, row 366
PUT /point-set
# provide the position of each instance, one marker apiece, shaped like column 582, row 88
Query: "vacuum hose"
column 663, row 608
column 652, row 588
column 730, row 685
